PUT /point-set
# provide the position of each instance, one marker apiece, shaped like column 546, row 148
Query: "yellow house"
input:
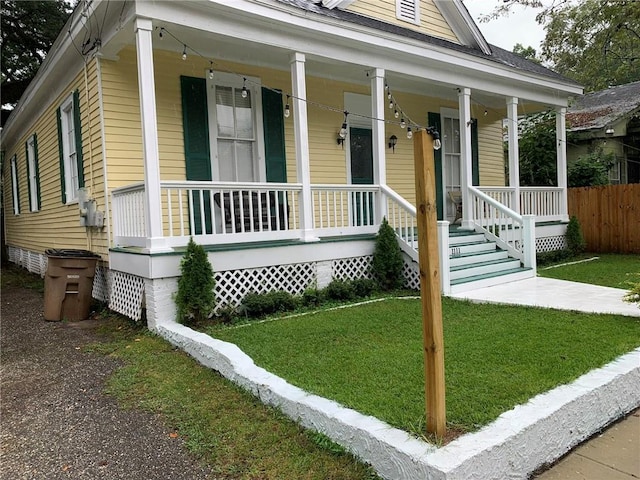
column 277, row 133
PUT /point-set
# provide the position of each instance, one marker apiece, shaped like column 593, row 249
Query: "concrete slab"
column 558, row 294
column 576, row 467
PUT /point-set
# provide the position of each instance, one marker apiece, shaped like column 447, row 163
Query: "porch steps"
column 476, row 263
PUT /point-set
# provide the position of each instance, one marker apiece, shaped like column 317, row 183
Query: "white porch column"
column 146, row 86
column 378, row 102
column 561, row 149
column 514, row 152
column 301, row 133
column 466, row 179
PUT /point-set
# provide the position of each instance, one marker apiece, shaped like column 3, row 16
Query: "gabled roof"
column 599, row 109
column 496, row 54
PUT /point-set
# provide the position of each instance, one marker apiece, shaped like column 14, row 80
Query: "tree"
column 595, row 42
column 591, row 169
column 527, row 52
column 28, row 32
column 537, row 147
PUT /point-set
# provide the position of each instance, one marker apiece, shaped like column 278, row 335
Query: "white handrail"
column 401, row 216
column 494, row 203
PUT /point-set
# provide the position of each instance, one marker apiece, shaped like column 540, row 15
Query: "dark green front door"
column 361, row 147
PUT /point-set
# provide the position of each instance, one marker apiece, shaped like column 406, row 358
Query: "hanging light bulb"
column 396, row 113
column 210, row 70
column 244, row 88
column 184, row 53
column 409, row 133
column 486, row 113
column 389, row 96
column 402, row 123
column 161, row 33
column 386, row 87
column 287, row 109
column 391, row 104
column 343, row 130
column 437, row 144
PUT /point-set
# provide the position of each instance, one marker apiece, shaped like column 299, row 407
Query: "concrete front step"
column 483, row 268
column 488, row 280
column 465, row 238
column 472, row 247
column 475, row 257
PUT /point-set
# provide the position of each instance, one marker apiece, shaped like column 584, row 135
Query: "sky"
column 519, row 27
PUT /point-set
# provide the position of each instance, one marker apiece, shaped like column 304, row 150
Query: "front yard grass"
column 369, row 357
column 609, row 270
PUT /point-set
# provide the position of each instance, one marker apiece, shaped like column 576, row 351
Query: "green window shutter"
column 63, row 184
column 195, row 123
column 26, row 156
column 195, row 126
column 475, row 161
column 78, row 131
column 274, row 146
column 36, row 163
column 434, row 121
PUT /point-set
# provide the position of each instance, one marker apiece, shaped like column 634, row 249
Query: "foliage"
column 387, row 259
column 633, row 296
column 261, row 304
column 527, row 52
column 553, row 256
column 340, row 290
column 312, row 297
column 595, row 42
column 363, row 287
column 591, row 169
column 575, row 240
column 195, row 297
column 537, row 147
column 28, row 32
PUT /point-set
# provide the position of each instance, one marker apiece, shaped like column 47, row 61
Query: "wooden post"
column 426, row 208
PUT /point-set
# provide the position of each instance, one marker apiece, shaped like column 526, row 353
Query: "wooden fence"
column 609, row 217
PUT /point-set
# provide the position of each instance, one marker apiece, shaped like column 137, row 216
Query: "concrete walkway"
column 559, row 294
column 614, row 454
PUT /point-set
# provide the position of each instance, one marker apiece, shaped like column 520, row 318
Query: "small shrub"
column 554, row 256
column 195, row 298
column 633, row 296
column 340, row 290
column 387, row 259
column 227, row 314
column 575, row 240
column 363, row 287
column 312, row 297
column 261, row 304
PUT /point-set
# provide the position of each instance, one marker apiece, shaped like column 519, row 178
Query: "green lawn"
column 370, row 357
column 609, row 270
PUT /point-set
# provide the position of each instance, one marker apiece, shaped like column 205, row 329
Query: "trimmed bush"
column 363, row 287
column 312, row 297
column 195, row 298
column 575, row 240
column 340, row 290
column 261, row 304
column 387, row 259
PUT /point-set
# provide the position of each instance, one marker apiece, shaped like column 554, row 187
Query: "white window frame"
column 451, row 114
column 33, row 175
column 69, row 153
column 14, row 185
column 253, row 84
column 615, row 171
column 400, row 11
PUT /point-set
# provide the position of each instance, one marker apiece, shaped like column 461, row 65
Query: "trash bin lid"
column 70, row 253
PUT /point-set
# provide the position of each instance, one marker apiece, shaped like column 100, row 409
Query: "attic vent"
column 408, row 10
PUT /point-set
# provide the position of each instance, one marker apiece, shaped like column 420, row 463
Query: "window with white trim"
column 614, row 172
column 14, row 185
column 31, row 149
column 69, row 153
column 408, row 10
column 235, row 114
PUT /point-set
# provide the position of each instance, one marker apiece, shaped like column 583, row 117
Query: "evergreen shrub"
column 575, row 240
column 340, row 290
column 195, row 298
column 387, row 259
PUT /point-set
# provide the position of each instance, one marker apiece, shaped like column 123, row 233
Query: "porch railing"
column 401, row 216
column 513, row 232
column 543, row 202
column 344, row 209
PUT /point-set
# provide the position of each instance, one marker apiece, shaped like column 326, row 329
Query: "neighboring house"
column 608, row 120
column 151, row 122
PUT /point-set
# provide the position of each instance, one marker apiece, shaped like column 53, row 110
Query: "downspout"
column 88, row 230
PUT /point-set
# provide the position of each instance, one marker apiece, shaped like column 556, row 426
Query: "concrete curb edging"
column 517, row 443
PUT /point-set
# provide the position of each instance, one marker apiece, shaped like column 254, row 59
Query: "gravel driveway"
column 56, row 422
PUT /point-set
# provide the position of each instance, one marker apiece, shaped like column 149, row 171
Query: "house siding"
column 328, row 160
column 57, row 225
column 431, row 20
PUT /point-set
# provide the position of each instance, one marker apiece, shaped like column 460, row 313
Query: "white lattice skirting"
column 549, row 244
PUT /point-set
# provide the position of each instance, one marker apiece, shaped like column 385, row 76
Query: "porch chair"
column 456, row 197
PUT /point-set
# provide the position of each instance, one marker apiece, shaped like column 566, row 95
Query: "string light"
column 409, row 133
column 244, row 88
column 343, row 129
column 393, row 105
